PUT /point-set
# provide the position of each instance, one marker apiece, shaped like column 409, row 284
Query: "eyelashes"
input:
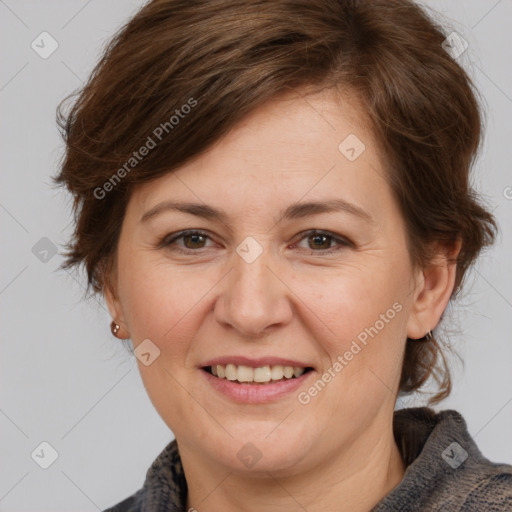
column 198, row 237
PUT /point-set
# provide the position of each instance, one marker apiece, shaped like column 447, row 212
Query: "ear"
column 114, row 304
column 433, row 290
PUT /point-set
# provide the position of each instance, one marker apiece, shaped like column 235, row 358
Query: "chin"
column 258, row 448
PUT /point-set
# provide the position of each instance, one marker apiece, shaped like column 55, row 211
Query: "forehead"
column 296, row 145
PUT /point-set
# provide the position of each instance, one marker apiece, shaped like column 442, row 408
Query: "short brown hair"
column 224, row 58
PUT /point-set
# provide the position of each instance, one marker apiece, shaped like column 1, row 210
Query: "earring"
column 428, row 336
column 114, row 328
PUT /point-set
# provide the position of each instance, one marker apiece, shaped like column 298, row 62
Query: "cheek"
column 164, row 302
column 360, row 326
column 352, row 300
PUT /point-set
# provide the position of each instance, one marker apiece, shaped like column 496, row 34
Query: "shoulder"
column 491, row 493
column 165, row 485
column 445, row 469
column 130, row 504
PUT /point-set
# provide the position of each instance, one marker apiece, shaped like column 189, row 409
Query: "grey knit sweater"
column 445, row 471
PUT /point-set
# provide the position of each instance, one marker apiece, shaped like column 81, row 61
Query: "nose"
column 253, row 299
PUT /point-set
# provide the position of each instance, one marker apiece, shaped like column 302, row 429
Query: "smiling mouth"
column 262, row 375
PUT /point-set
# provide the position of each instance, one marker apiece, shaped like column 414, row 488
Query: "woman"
column 273, row 198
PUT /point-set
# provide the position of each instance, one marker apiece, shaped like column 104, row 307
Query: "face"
column 268, row 280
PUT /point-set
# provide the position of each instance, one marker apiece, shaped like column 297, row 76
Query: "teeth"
column 277, row 372
column 263, row 374
column 245, row 374
column 298, row 371
column 231, row 373
column 288, row 371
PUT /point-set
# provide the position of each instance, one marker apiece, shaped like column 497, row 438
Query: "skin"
column 295, row 300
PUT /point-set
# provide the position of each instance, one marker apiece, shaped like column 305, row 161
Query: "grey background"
column 64, row 378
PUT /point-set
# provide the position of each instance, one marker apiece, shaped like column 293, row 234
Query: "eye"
column 321, row 241
column 192, row 240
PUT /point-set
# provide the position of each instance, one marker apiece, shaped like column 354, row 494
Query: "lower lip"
column 256, row 393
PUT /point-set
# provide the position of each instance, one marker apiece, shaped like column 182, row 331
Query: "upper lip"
column 255, row 363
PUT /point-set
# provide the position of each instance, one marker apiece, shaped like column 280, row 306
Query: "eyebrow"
column 294, row 211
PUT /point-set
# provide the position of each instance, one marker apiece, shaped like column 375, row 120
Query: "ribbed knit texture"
column 445, row 471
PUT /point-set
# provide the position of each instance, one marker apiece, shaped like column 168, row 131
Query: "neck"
column 352, row 482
